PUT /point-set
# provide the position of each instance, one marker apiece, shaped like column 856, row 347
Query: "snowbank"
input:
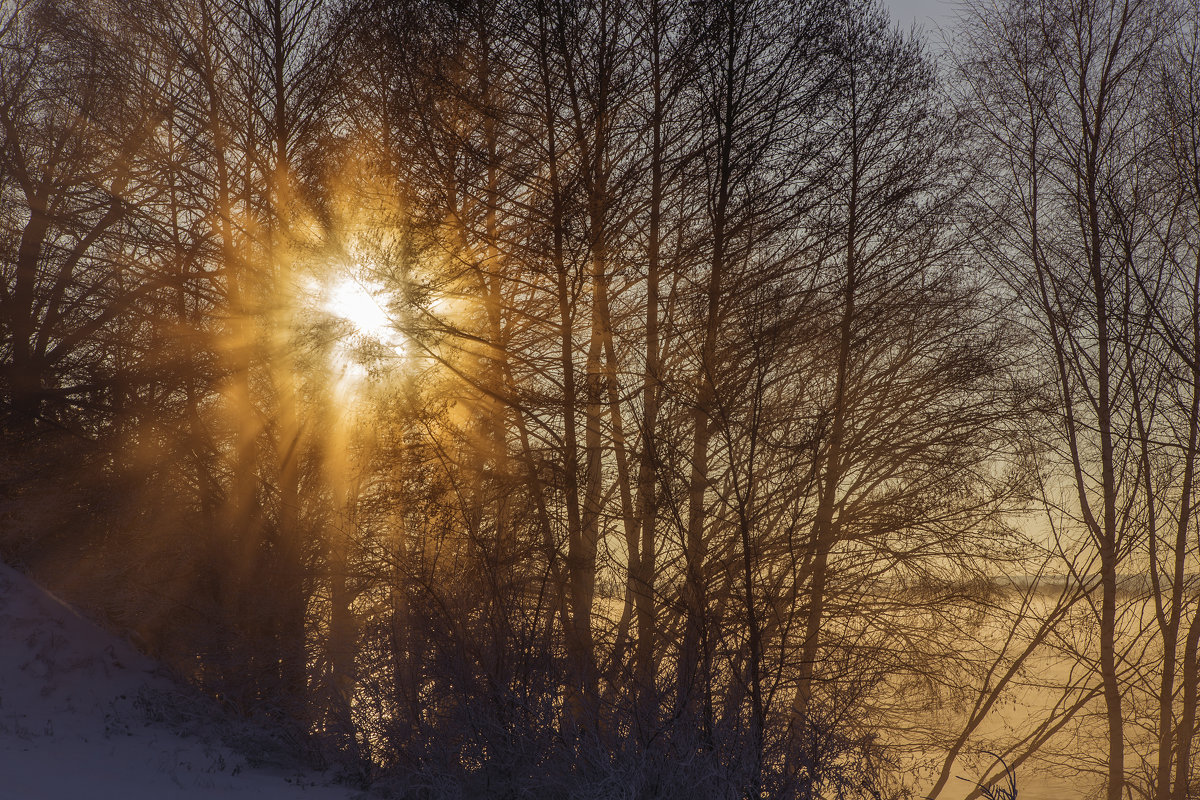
column 84, row 715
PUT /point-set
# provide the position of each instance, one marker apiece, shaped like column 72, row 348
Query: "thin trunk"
column 580, row 562
column 1108, row 531
column 825, row 526
column 695, row 672
column 642, row 568
column 1186, row 729
column 27, row 380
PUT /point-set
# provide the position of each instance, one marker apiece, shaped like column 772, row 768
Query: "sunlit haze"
column 361, row 304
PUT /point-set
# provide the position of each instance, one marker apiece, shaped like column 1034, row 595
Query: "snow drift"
column 84, row 715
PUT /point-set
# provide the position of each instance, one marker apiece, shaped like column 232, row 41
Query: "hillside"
column 83, row 715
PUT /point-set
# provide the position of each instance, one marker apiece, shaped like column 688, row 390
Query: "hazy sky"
column 926, row 13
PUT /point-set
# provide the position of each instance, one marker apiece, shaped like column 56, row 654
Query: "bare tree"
column 1062, row 94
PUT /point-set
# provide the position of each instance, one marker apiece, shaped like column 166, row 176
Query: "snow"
column 84, row 715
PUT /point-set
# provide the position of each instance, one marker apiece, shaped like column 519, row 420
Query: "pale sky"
column 928, row 14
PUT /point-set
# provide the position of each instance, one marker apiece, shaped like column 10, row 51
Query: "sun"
column 363, row 306
column 369, row 335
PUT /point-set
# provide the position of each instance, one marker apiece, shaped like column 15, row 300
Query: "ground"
column 84, row 715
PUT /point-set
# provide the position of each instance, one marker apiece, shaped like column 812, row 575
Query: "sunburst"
column 364, row 306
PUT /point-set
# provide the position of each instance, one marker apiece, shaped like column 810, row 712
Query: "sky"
column 928, row 14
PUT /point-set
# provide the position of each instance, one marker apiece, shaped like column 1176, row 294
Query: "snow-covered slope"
column 84, row 715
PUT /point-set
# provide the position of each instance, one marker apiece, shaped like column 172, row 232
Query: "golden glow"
column 363, row 306
column 368, row 336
